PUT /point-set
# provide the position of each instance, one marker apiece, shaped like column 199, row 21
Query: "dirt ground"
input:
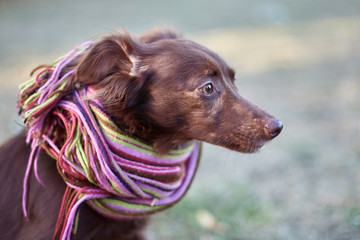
column 299, row 60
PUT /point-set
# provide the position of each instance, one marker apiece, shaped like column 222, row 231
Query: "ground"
column 299, row 60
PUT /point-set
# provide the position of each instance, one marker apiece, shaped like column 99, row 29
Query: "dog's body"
column 161, row 89
column 45, row 202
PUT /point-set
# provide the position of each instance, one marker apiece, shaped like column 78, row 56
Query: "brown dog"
column 161, row 89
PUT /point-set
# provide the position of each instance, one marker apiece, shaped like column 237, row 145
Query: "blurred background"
column 299, row 60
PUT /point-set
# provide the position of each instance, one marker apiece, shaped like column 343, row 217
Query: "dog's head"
column 167, row 90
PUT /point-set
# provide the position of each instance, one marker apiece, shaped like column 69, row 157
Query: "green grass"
column 237, row 213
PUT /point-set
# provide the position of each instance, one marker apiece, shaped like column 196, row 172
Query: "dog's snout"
column 273, row 128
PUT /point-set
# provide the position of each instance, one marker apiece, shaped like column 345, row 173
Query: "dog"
column 159, row 88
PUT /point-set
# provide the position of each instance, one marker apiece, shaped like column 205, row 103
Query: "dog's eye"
column 207, row 89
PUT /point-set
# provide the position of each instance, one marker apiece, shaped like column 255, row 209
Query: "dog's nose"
column 273, row 128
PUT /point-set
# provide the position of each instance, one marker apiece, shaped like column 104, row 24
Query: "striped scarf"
column 117, row 176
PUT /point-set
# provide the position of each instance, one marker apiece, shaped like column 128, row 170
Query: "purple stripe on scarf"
column 104, row 152
column 190, row 170
column 104, row 182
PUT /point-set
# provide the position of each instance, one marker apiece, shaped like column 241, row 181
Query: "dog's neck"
column 162, row 140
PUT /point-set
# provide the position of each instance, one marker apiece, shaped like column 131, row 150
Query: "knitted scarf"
column 117, row 176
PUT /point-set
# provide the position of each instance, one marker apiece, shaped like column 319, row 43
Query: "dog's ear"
column 113, row 68
column 109, row 56
column 159, row 34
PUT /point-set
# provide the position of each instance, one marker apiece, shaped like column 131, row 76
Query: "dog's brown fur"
column 159, row 88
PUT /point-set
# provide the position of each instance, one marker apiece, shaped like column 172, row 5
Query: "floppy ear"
column 159, row 34
column 107, row 57
column 114, row 70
